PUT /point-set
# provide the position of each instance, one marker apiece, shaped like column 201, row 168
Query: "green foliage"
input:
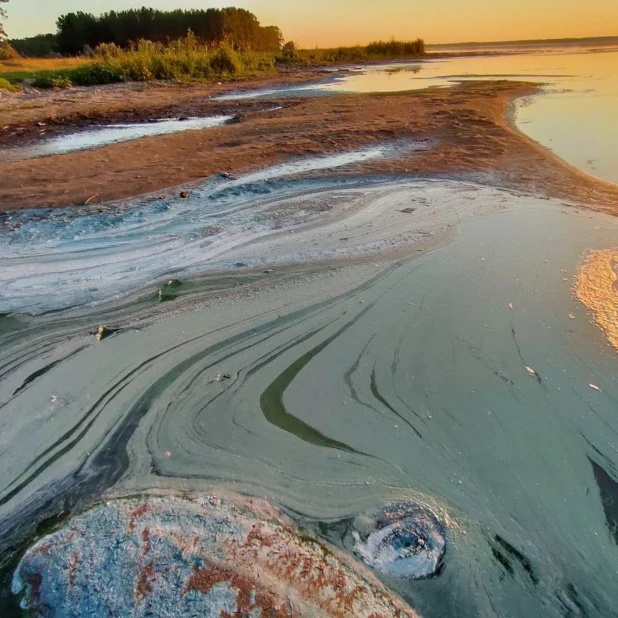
column 396, row 49
column 40, row 46
column 97, row 73
column 379, row 50
column 289, row 55
column 237, row 28
column 6, row 51
column 7, row 86
column 181, row 60
column 226, row 60
column 52, row 81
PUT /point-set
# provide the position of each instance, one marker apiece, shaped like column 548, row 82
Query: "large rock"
column 172, row 556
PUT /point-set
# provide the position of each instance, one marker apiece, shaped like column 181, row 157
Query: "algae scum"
column 400, row 367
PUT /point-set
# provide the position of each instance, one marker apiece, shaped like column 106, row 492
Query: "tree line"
column 238, row 28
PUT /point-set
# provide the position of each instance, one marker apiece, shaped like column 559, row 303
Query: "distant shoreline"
column 575, row 42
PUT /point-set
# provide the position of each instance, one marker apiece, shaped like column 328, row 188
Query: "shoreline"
column 472, row 125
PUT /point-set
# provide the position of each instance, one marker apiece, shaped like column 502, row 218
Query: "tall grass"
column 378, row 50
column 184, row 60
column 17, row 70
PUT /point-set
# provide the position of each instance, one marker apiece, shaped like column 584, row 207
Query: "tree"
column 237, row 28
column 38, row 46
column 2, row 17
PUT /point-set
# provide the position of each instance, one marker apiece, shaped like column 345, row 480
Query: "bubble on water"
column 405, row 541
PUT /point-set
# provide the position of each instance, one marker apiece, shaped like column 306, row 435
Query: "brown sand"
column 471, row 125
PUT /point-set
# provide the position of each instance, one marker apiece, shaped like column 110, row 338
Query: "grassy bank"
column 180, row 60
column 183, row 60
column 16, row 70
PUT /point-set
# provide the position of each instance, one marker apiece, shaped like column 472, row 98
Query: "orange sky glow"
column 347, row 22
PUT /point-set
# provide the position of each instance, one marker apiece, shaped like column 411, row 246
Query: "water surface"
column 575, row 116
column 108, row 134
column 333, row 397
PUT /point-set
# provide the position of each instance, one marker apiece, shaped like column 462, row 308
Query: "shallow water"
column 335, row 397
column 576, row 116
column 58, row 258
column 108, row 134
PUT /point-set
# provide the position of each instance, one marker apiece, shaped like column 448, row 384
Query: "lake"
column 575, row 116
column 335, row 346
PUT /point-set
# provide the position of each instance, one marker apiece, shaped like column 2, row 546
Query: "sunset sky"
column 344, row 22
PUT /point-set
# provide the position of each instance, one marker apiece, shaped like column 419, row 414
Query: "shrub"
column 107, row 51
column 61, row 82
column 97, row 73
column 6, row 86
column 6, row 51
column 226, row 60
column 52, row 80
column 288, row 53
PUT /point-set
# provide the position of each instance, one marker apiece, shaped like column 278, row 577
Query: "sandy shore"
column 470, row 127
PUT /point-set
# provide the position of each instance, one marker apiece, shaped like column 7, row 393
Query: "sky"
column 347, row 22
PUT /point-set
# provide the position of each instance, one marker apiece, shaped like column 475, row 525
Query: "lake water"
column 451, row 366
column 575, row 116
column 460, row 379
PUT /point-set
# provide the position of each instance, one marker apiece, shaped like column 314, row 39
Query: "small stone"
column 102, row 332
column 184, row 195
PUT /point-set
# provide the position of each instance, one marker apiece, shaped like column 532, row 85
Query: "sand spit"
column 596, row 286
column 204, row 556
column 469, row 123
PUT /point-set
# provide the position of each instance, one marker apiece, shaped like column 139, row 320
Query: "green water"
column 346, row 391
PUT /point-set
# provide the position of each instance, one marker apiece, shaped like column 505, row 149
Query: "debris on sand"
column 531, row 372
column 169, row 291
column 171, row 556
column 184, row 195
column 102, row 332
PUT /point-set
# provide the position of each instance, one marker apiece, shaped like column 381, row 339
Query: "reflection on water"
column 597, row 288
column 109, row 134
column 576, row 116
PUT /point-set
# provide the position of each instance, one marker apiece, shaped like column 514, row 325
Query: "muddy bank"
column 127, row 102
column 469, row 125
